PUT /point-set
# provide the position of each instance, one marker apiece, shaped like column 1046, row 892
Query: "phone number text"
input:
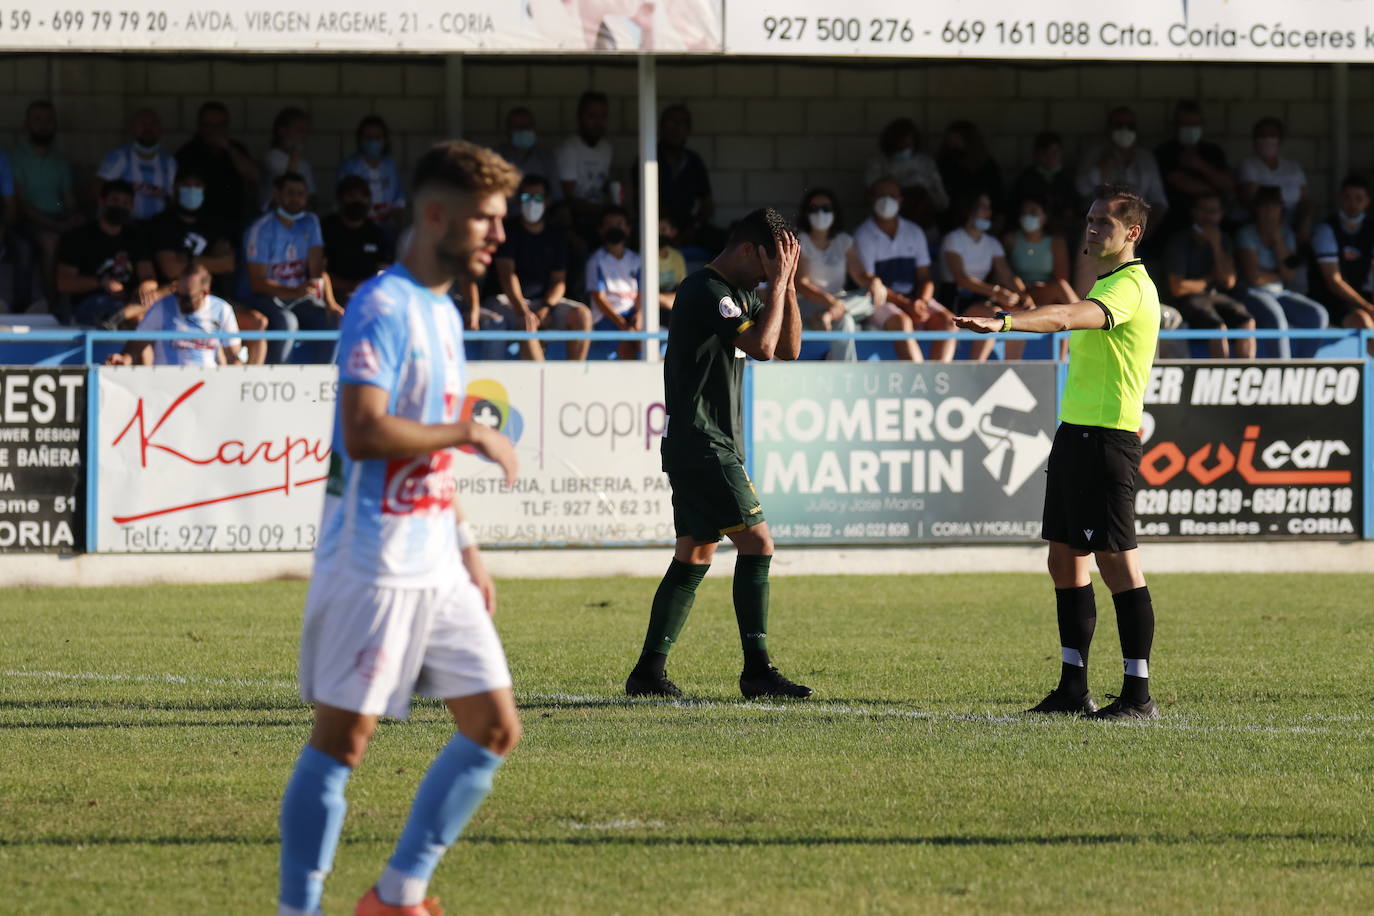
column 215, row 538
column 852, row 29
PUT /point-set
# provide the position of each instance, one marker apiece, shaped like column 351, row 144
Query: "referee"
column 1090, row 489
column 717, row 319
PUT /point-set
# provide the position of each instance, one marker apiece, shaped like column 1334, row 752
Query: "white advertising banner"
column 1326, row 31
column 414, row 26
column 587, row 435
column 195, row 460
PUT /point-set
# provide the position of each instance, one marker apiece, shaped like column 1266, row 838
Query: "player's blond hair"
column 462, row 166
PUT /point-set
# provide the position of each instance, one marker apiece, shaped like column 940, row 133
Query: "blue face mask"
column 522, row 139
column 982, row 225
column 190, row 197
column 289, row 217
column 373, row 149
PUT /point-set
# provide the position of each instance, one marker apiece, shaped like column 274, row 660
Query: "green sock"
column 672, row 604
column 751, row 608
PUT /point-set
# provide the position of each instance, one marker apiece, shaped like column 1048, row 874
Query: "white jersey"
column 390, row 522
column 214, row 314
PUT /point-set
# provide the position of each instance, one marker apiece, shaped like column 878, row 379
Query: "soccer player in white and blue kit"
column 400, row 602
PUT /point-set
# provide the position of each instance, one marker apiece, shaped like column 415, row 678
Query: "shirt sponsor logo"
column 362, row 360
column 728, row 308
column 419, row 486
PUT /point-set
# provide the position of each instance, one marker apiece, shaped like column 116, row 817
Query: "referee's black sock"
column 1135, row 620
column 1077, row 621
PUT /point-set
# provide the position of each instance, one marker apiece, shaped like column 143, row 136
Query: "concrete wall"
column 766, row 129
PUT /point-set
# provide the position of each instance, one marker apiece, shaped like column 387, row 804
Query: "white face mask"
column 821, row 220
column 532, row 211
column 1190, row 135
column 1123, row 137
column 1030, row 222
column 886, row 207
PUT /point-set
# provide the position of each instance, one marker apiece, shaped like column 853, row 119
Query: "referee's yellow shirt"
column 1109, row 367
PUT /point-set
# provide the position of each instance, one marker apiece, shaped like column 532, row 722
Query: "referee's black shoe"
column 1062, row 702
column 650, row 684
column 1121, row 708
column 769, row 682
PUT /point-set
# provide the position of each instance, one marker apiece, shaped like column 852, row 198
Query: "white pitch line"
column 819, row 708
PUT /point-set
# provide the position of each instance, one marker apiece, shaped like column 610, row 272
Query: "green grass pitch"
column 146, row 734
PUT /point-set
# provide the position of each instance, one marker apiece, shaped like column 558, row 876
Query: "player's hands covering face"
column 780, row 269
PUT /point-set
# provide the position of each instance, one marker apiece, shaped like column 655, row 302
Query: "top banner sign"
column 1217, row 30
column 417, row 26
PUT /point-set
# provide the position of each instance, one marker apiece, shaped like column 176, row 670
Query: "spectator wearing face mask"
column 1191, row 166
column 968, row 169
column 1267, row 260
column 285, row 254
column 894, row 268
column 1120, row 160
column 672, row 267
column 976, row 263
column 229, row 171
column 374, row 164
column 144, row 165
column 190, row 307
column 45, row 197
column 1344, row 249
column 899, row 157
column 826, row 260
column 1268, row 168
column 522, row 149
column 613, row 280
column 1046, row 180
column 1201, row 270
column 102, row 265
column 1038, row 256
column 286, row 154
column 355, row 247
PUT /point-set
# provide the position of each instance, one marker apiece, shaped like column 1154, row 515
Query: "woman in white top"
column 976, row 264
column 899, row 158
column 828, row 258
column 287, row 154
column 1268, row 169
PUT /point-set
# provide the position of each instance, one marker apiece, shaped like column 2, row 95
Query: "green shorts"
column 713, row 500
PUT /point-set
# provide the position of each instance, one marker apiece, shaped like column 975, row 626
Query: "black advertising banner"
column 1259, row 450
column 42, row 453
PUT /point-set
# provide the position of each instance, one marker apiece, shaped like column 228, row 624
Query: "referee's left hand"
column 976, row 323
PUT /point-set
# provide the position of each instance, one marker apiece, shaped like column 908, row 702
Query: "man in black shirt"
column 1191, row 167
column 355, row 247
column 102, row 265
column 684, row 185
column 230, row 174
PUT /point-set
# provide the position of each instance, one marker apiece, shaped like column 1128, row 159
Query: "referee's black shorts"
column 1090, row 488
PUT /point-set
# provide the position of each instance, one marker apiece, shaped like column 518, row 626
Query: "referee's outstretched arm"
column 1088, row 315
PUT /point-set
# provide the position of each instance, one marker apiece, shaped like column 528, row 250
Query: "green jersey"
column 703, row 373
column 1109, row 367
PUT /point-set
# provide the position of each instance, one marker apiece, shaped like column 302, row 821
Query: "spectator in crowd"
column 672, row 267
column 584, row 164
column 355, row 247
column 190, row 307
column 532, row 269
column 1191, row 166
column 47, row 204
column 827, row 258
column 1119, row 160
column 976, row 263
column 684, row 186
column 1047, row 181
column 143, row 164
column 14, row 249
column 1344, row 249
column 102, row 266
column 285, row 254
column 230, row 174
column 1039, row 256
column 374, row 164
column 522, row 149
column 1267, row 260
column 967, row 168
column 1200, row 268
column 899, row 157
column 894, row 269
column 286, row 153
column 613, row 280
column 185, row 235
column 1267, row 168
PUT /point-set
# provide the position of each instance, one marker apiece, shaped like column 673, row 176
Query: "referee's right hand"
column 976, row 323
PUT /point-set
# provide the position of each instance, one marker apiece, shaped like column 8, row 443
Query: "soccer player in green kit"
column 1090, row 488
column 718, row 319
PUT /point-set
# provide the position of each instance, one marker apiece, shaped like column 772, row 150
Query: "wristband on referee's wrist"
column 466, row 538
column 1006, row 320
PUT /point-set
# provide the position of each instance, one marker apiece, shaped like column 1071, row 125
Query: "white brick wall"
column 767, row 129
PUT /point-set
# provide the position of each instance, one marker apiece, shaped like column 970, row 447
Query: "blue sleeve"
column 398, row 195
column 255, row 245
column 1324, row 243
column 1248, row 238
column 372, row 340
column 316, row 235
column 348, row 167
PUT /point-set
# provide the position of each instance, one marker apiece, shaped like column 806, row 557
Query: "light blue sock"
column 312, row 816
column 455, row 785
